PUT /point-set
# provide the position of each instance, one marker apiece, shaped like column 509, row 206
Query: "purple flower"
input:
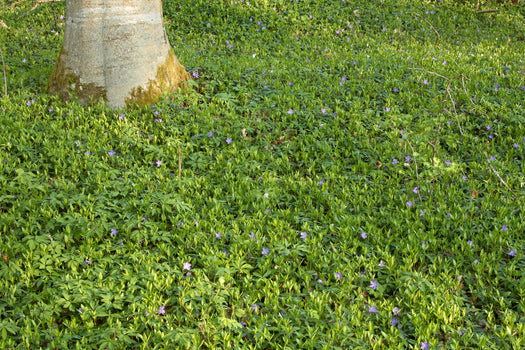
column 394, row 321
column 323, row 110
column 387, row 109
column 290, row 111
column 78, row 143
column 87, row 261
column 425, row 82
column 372, row 309
column 159, row 162
column 338, row 275
column 363, row 235
column 421, row 212
column 229, row 140
column 195, row 75
column 252, row 236
column 121, row 116
column 394, row 162
column 515, row 145
column 396, row 311
column 218, row 235
column 410, row 204
column 504, row 228
column 415, row 190
column 186, row 266
column 161, row 311
column 210, row 134
column 113, row 231
column 304, row 235
column 290, row 83
column 464, row 177
column 448, row 162
column 381, row 264
column 396, row 89
column 496, row 87
column 407, row 159
column 255, row 307
column 470, row 243
column 511, row 252
column 265, row 251
column 80, row 310
column 492, row 158
column 489, row 127
column 425, row 345
column 111, row 153
column 374, row 285
column 476, row 261
column 321, row 182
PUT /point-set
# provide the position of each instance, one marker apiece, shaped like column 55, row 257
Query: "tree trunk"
column 116, row 50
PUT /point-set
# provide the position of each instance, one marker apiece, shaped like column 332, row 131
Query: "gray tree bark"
column 116, row 50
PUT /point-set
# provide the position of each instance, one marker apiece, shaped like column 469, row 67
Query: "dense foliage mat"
column 341, row 174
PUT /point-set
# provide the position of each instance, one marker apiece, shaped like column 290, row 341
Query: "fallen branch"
column 37, row 2
column 455, row 111
column 430, row 24
column 429, row 72
column 5, row 76
column 2, row 23
column 499, row 177
column 488, row 11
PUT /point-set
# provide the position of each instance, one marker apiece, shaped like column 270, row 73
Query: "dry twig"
column 5, row 75
column 499, row 177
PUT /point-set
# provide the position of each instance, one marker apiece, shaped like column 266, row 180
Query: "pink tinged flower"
column 218, row 235
column 374, row 285
column 410, row 204
column 415, row 190
column 323, row 110
column 121, row 116
column 266, row 195
column 372, row 309
column 161, row 311
column 159, row 162
column 396, row 311
column 113, row 231
column 381, row 264
column 265, row 251
column 511, row 252
column 363, row 235
column 290, row 111
column 387, row 109
column 186, row 266
column 229, row 140
column 425, row 345
column 304, row 235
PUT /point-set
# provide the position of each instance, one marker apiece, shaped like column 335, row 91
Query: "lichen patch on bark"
column 170, row 76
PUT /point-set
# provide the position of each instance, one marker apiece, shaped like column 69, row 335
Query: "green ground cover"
column 342, row 174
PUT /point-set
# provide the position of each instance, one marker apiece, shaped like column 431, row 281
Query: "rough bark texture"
column 116, row 50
